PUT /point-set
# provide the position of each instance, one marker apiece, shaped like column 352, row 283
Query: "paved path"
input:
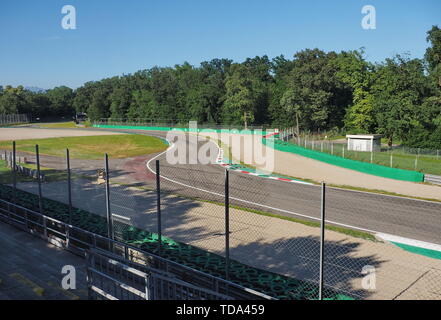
column 30, row 268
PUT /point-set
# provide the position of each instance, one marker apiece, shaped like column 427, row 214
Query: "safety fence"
column 370, row 168
column 176, row 123
column 215, row 228
column 7, row 119
column 111, row 278
column 93, row 247
column 426, row 161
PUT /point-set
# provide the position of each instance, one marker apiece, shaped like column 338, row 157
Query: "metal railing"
column 79, row 241
column 109, row 278
column 6, row 119
column 430, row 178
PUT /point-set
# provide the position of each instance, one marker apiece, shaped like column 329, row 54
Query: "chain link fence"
column 417, row 159
column 232, row 222
column 8, row 119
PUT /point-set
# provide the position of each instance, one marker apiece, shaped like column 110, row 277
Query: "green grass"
column 93, row 147
column 69, row 124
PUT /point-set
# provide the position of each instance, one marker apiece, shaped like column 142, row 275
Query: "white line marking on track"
column 380, row 234
column 410, row 242
column 250, row 202
column 121, row 217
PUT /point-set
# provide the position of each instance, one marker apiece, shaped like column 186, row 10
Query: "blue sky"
column 115, row 36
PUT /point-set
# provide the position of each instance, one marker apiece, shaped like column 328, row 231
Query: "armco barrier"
column 365, row 167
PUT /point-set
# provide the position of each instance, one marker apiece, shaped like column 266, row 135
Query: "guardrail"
column 110, row 278
column 79, row 241
column 430, row 178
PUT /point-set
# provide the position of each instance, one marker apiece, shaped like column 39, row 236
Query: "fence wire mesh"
column 274, row 234
column 418, row 159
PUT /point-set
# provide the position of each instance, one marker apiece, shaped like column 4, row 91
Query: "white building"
column 364, row 142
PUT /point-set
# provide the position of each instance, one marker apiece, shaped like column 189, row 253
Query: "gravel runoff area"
column 306, row 168
column 34, row 133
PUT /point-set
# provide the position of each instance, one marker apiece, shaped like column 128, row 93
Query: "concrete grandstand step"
column 31, row 268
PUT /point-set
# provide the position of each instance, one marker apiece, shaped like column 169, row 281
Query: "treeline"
column 315, row 91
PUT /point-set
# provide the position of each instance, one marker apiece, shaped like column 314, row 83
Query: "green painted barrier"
column 262, row 132
column 365, row 167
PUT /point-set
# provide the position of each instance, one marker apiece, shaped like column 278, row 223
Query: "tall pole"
column 14, row 168
column 158, row 204
column 69, row 185
column 322, row 241
column 227, row 224
column 109, row 214
column 37, row 154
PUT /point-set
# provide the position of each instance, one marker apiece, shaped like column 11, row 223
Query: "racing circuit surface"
column 404, row 217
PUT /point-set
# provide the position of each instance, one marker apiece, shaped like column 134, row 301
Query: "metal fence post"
column 322, row 241
column 69, row 185
column 109, row 214
column 37, row 155
column 158, row 204
column 14, row 168
column 227, row 224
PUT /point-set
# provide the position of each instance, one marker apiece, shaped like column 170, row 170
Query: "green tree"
column 61, row 99
column 240, row 99
column 399, row 88
column 358, row 74
column 433, row 54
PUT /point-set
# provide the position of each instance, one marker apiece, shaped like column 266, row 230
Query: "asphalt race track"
column 414, row 219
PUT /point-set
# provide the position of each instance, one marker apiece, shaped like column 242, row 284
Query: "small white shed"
column 364, row 142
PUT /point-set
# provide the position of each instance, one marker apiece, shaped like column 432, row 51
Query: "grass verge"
column 92, row 147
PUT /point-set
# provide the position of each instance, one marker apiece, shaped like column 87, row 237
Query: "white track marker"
column 410, row 242
column 121, row 217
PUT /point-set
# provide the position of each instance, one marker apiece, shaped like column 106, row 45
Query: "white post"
column 343, row 151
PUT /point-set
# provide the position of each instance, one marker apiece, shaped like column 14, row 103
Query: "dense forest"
column 315, row 91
